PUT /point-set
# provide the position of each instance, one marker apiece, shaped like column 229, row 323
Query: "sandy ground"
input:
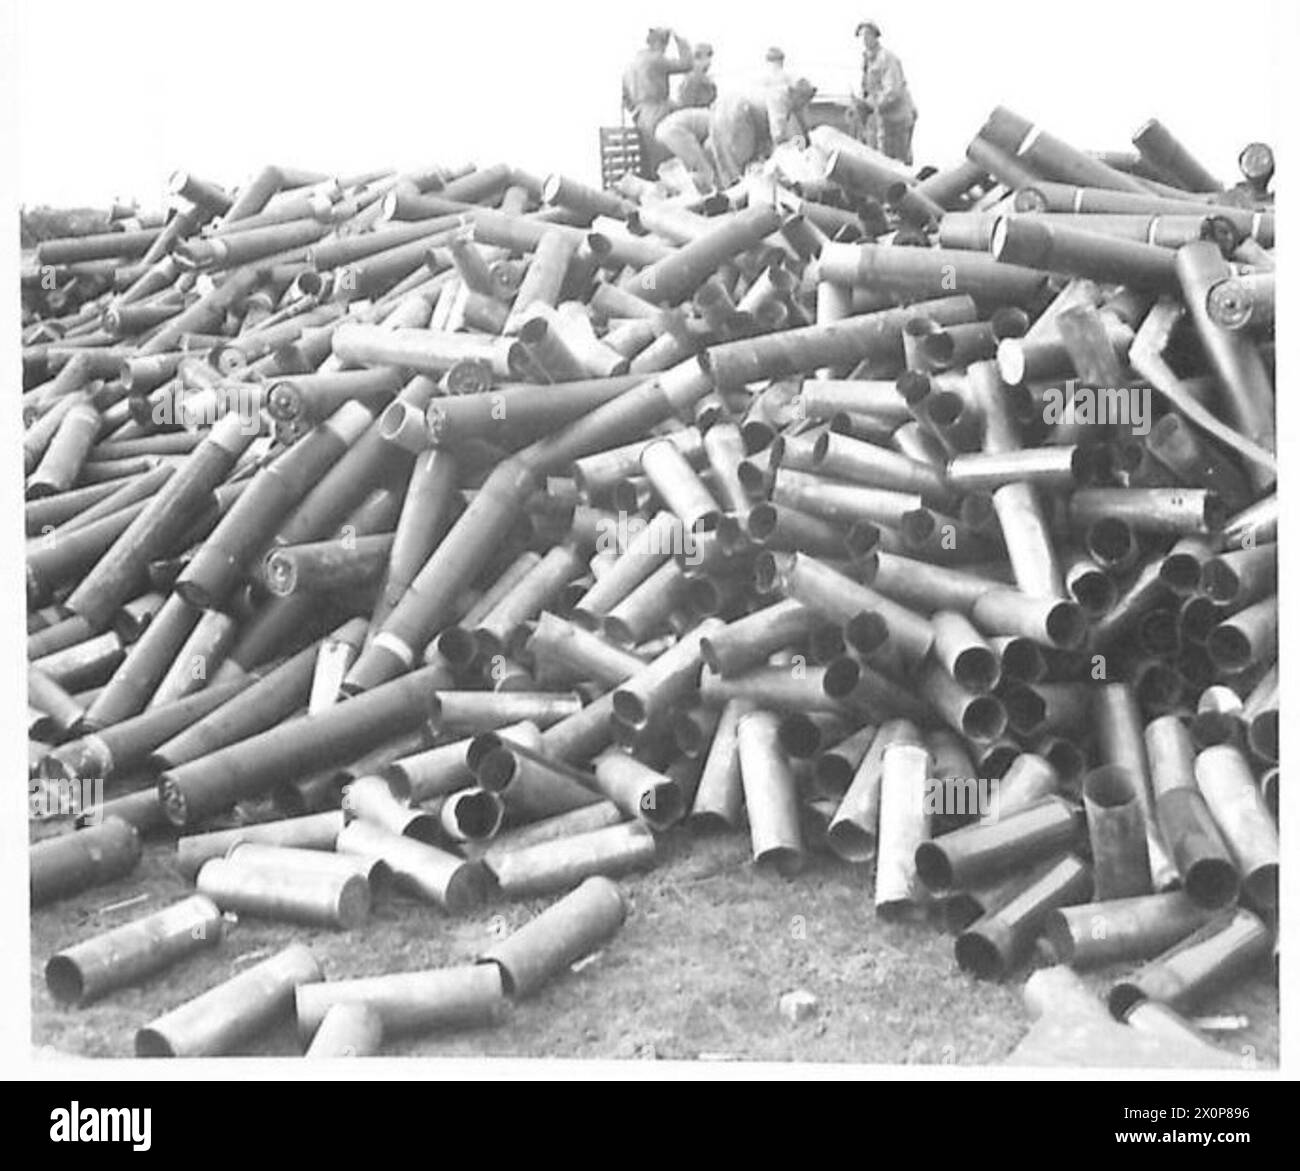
column 709, row 947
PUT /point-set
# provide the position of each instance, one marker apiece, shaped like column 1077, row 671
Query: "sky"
column 112, row 97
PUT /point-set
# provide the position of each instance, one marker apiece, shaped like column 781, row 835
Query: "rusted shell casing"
column 161, row 521
column 1171, row 755
column 301, row 860
column 465, row 549
column 975, row 854
column 371, row 799
column 116, row 749
column 69, row 863
column 1120, row 740
column 587, row 654
column 874, row 337
column 1033, row 242
column 1162, row 150
column 424, row 870
column 904, row 824
column 660, row 683
column 348, row 1029
column 198, row 658
column 294, row 749
column 596, row 816
column 993, row 945
column 680, row 488
column 566, row 931
column 1121, row 930
column 317, row 831
column 268, row 501
column 67, row 452
column 133, row 951
column 963, row 652
column 221, row 1019
column 978, row 717
column 268, row 890
column 963, row 907
column 468, row 996
column 1117, row 832
column 1208, row 872
column 1240, row 577
column 638, row 790
column 840, row 598
column 469, row 814
column 724, row 448
column 674, row 278
column 1050, row 156
column 532, row 786
column 930, row 272
column 853, row 831
column 1246, row 637
column 424, row 351
column 1191, row 970
column 129, row 690
column 562, row 863
column 1051, row 622
column 461, row 712
column 265, row 701
column 1226, row 781
column 748, row 641
column 1030, row 548
column 835, row 765
column 771, row 798
column 1029, row 779
column 648, row 609
column 719, row 796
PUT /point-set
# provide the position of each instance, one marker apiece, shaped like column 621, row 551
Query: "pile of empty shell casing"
column 460, row 532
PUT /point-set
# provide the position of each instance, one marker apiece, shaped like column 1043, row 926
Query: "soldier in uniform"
column 886, row 104
column 646, row 91
column 746, row 126
column 698, row 89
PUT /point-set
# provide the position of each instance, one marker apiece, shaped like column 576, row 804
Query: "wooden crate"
column 620, row 152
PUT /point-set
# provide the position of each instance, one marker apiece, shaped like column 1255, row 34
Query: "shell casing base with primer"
column 566, row 931
column 219, row 1020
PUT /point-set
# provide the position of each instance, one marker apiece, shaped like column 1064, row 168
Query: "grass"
column 709, row 947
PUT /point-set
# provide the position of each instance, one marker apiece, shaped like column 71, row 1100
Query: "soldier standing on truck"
column 698, row 89
column 645, row 91
column 746, row 126
column 886, row 104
